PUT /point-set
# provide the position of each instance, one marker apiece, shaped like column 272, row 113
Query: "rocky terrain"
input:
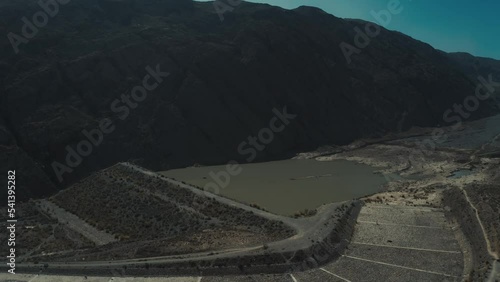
column 487, row 200
column 476, row 66
column 459, row 174
column 147, row 217
column 436, row 220
column 39, row 234
column 225, row 78
column 162, row 227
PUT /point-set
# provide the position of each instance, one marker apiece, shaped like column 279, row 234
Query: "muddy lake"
column 285, row 187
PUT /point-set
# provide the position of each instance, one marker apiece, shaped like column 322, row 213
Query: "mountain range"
column 215, row 84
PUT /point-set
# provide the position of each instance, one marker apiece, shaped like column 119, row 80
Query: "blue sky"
column 451, row 25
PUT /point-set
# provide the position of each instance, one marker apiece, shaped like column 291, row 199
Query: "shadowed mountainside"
column 474, row 66
column 225, row 79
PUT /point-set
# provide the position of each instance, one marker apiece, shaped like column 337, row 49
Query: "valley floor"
column 438, row 223
column 390, row 243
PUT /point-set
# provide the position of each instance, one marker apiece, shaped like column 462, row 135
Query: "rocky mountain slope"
column 475, row 66
column 225, row 79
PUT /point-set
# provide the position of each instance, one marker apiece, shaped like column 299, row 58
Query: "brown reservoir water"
column 285, row 187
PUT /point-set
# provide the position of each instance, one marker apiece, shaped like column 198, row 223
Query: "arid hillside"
column 224, row 80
